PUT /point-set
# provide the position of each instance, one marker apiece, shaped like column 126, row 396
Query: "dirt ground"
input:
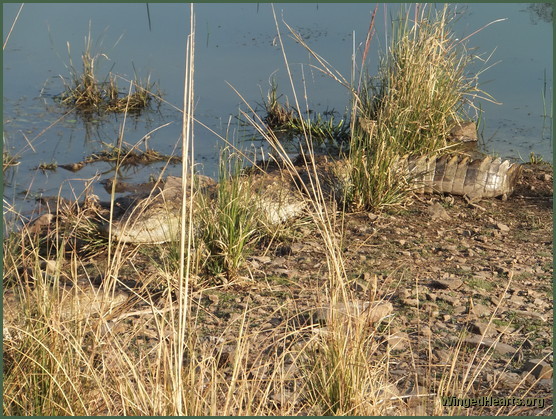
column 445, row 265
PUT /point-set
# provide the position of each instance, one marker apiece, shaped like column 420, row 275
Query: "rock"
column 482, row 328
column 538, row 368
column 502, row 227
column 371, row 312
column 480, row 310
column 425, row 331
column 398, row 341
column 447, row 283
column 499, row 347
column 437, row 212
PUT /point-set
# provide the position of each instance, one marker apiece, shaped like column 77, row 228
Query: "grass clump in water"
column 88, row 94
column 321, row 128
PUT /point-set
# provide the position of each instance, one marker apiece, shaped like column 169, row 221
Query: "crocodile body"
column 155, row 217
column 456, row 175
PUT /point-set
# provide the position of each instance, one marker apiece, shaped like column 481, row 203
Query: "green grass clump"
column 322, row 130
column 228, row 224
column 409, row 108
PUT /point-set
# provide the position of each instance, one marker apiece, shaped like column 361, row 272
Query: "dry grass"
column 67, row 358
column 421, row 92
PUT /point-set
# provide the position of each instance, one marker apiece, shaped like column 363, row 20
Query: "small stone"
column 398, row 341
column 482, row 328
column 437, row 212
column 481, row 310
column 502, row 227
column 447, row 283
column 425, row 331
column 539, row 368
column 499, row 347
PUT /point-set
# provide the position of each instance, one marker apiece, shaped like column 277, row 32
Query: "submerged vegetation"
column 320, row 129
column 123, row 156
column 96, row 327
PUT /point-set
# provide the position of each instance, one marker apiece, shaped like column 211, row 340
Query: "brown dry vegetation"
column 365, row 313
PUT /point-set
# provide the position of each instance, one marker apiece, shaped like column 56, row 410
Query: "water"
column 235, row 45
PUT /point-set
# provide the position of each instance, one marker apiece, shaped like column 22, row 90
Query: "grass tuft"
column 88, row 94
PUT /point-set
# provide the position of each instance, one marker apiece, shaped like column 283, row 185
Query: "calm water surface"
column 236, row 45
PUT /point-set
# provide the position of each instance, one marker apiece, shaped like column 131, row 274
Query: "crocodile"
column 278, row 193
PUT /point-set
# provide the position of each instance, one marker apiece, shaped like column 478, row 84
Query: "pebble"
column 538, row 368
column 499, row 347
column 398, row 341
column 451, row 283
column 482, row 328
column 481, row 310
column 425, row 331
column 502, row 227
